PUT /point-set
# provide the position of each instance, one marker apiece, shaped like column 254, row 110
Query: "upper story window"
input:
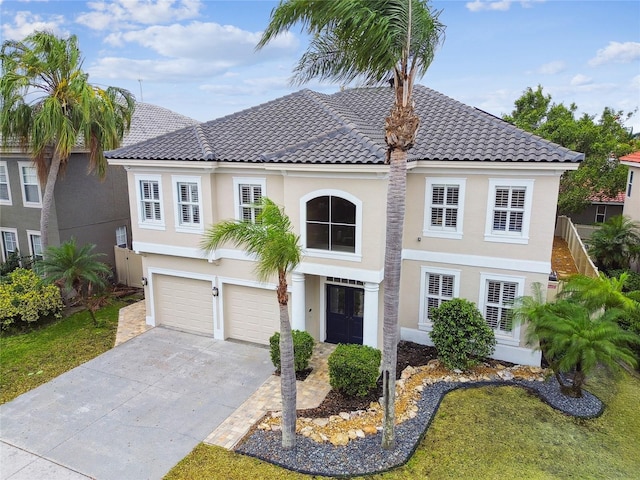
column 498, row 294
column 35, row 245
column 9, row 243
column 188, row 203
column 444, row 206
column 5, row 191
column 248, row 195
column 630, row 183
column 30, row 187
column 509, row 210
column 149, row 197
column 331, row 225
column 437, row 286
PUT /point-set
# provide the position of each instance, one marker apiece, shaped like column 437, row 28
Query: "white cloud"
column 127, row 13
column 167, row 71
column 580, row 79
column 552, row 68
column 479, row 5
column 617, row 52
column 635, row 82
column 25, row 23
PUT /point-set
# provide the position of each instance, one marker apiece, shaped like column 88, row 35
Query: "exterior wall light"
column 144, row 281
column 215, row 291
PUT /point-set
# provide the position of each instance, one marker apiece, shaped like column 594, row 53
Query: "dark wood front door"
column 344, row 314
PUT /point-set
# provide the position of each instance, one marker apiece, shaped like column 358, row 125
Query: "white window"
column 601, row 213
column 444, row 205
column 248, row 195
column 5, row 190
column 35, row 245
column 509, row 210
column 149, row 197
column 30, row 187
column 436, row 286
column 188, row 211
column 121, row 236
column 9, row 243
column 497, row 295
column 630, row 184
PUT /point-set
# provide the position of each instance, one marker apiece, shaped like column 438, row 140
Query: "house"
column 480, row 215
column 85, row 207
column 632, row 199
column 601, row 209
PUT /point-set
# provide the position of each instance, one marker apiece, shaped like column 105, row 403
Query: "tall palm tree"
column 616, row 243
column 49, row 107
column 76, row 268
column 600, row 292
column 277, row 249
column 373, row 41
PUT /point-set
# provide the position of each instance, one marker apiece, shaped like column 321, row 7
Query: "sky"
column 198, row 58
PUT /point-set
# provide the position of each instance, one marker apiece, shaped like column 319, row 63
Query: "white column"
column 298, row 302
column 370, row 320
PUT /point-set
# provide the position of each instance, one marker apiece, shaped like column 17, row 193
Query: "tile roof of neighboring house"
column 148, row 121
column 601, row 198
column 632, row 157
column 348, row 127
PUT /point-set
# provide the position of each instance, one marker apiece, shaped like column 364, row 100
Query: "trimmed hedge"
column 302, row 349
column 354, row 369
column 460, row 334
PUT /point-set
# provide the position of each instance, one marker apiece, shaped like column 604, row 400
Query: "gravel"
column 365, row 456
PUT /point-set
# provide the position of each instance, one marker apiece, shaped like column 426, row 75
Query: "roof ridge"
column 207, row 150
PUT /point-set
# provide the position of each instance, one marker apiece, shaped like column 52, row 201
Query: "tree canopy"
column 603, row 140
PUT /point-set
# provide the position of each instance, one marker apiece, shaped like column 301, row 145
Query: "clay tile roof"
column 348, row 127
column 632, row 157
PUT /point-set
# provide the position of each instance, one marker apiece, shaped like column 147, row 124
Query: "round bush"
column 354, row 369
column 302, row 349
column 460, row 334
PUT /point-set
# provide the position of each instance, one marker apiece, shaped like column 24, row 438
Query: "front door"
column 344, row 314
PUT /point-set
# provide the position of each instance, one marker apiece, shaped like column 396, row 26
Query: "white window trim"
column 37, row 204
column 31, row 233
column 430, row 231
column 312, row 252
column 514, row 338
column 149, row 224
column 195, row 228
column 6, row 169
column 237, row 181
column 15, row 233
column 509, row 237
column 424, row 270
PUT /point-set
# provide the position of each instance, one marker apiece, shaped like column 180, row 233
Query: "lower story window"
column 9, row 244
column 439, row 290
column 121, row 236
column 35, row 244
column 499, row 302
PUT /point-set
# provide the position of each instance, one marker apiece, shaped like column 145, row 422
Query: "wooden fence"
column 567, row 230
column 128, row 267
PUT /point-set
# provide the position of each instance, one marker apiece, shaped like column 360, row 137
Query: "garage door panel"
column 251, row 314
column 184, row 303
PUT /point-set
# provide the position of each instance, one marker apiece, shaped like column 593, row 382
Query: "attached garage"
column 183, row 303
column 250, row 314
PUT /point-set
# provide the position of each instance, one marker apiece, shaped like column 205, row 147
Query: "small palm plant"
column 76, row 269
column 616, row 243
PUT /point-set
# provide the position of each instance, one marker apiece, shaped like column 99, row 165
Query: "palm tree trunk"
column 287, row 369
column 47, row 199
column 392, row 266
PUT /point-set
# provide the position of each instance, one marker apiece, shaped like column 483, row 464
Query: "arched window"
column 331, row 224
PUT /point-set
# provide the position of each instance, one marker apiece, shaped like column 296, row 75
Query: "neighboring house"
column 602, row 208
column 85, row 207
column 480, row 215
column 632, row 199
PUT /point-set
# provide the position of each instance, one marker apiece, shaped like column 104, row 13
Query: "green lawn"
column 489, row 433
column 31, row 359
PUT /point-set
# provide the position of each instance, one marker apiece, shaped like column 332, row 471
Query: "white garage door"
column 183, row 303
column 250, row 314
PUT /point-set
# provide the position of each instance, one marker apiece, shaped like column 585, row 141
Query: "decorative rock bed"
column 349, row 443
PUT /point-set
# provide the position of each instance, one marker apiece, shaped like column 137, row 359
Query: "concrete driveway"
column 131, row 413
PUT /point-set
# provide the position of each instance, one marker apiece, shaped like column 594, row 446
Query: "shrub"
column 302, row 349
column 354, row 369
column 24, row 297
column 633, row 280
column 460, row 334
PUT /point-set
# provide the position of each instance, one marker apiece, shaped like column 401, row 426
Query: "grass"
column 30, row 359
column 489, row 433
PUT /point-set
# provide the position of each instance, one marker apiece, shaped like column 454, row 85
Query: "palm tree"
column 600, row 292
column 49, row 107
column 278, row 252
column 374, row 41
column 76, row 268
column 616, row 243
column 576, row 340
